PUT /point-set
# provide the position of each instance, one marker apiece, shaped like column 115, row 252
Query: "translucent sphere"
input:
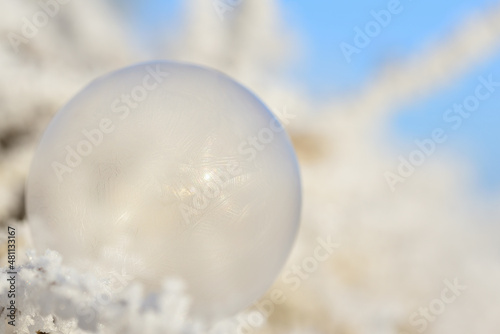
column 169, row 170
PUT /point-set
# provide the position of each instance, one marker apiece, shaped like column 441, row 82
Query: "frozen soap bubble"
column 169, row 170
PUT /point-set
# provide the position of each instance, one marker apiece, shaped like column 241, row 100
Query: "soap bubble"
column 169, row 170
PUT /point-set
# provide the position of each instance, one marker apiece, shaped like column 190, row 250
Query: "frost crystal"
column 52, row 298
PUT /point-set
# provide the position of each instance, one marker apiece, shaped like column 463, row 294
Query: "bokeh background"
column 355, row 115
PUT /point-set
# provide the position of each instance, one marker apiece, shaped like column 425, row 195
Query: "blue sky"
column 324, row 25
column 479, row 136
column 329, row 23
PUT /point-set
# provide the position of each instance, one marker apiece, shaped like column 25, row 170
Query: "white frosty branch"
column 51, row 297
